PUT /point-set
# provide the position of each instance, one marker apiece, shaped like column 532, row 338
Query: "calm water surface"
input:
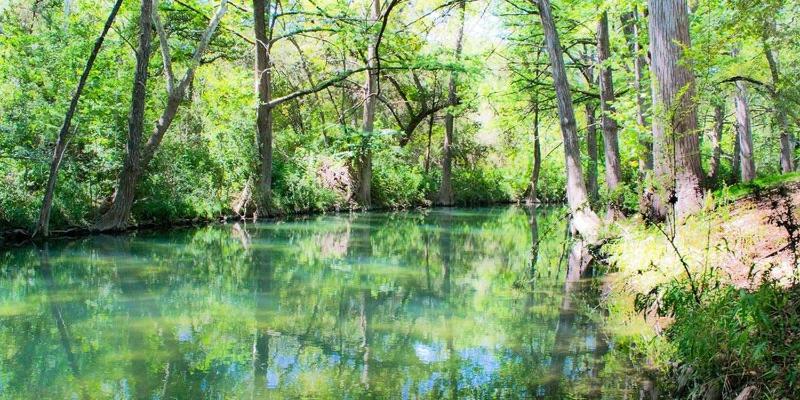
column 461, row 303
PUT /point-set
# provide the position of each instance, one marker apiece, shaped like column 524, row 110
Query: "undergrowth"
column 715, row 340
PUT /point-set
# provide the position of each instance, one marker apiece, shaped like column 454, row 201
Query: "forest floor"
column 745, row 233
column 755, row 233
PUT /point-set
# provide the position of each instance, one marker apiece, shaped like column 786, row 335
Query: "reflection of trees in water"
column 262, row 275
column 353, row 304
column 568, row 327
column 364, row 314
column 334, row 244
column 58, row 315
column 446, row 251
column 534, row 224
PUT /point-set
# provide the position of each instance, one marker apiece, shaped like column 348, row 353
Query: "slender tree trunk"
column 312, row 83
column 446, row 197
column 645, row 151
column 138, row 159
column 263, row 79
column 736, row 164
column 743, row 131
column 678, row 173
column 63, row 136
column 364, row 193
column 428, row 148
column 591, row 150
column 116, row 217
column 585, row 220
column 533, row 196
column 787, row 147
column 645, row 139
column 716, row 142
column 610, row 140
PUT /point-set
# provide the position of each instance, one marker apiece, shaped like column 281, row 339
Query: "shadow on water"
column 460, row 303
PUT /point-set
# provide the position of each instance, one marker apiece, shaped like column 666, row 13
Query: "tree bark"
column 744, row 133
column 428, row 147
column 645, row 152
column 533, row 196
column 116, row 217
column 736, row 160
column 610, row 140
column 678, row 174
column 585, row 221
column 446, row 197
column 716, row 142
column 787, row 147
column 591, row 150
column 263, row 78
column 138, row 158
column 364, row 161
column 43, row 225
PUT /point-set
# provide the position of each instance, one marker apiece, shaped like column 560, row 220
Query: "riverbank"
column 718, row 292
column 18, row 236
column 396, row 187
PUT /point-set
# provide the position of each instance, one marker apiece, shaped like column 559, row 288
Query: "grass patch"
column 738, row 191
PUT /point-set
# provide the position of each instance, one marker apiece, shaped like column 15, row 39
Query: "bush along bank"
column 308, row 184
column 719, row 292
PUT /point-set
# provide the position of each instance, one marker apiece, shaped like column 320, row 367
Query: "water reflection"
column 486, row 303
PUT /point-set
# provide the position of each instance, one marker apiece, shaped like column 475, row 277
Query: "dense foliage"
column 209, row 158
column 207, row 110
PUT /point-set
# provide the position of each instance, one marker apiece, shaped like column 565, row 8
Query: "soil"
column 753, row 243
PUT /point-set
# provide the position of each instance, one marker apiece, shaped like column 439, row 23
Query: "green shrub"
column 481, row 186
column 396, row 184
column 296, row 187
column 552, row 184
column 735, row 338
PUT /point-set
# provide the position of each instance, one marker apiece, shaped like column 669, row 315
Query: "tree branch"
column 320, row 86
column 164, row 44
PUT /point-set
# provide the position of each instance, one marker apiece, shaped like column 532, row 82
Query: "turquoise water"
column 461, row 303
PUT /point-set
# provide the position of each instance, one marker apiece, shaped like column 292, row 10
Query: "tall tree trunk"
column 787, row 147
column 716, row 141
column 138, row 159
column 743, row 131
column 533, row 196
column 428, row 148
column 116, row 217
column 43, row 225
column 610, row 140
column 585, row 220
column 678, row 173
column 591, row 150
column 632, row 29
column 736, row 164
column 263, row 80
column 364, row 193
column 446, row 197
